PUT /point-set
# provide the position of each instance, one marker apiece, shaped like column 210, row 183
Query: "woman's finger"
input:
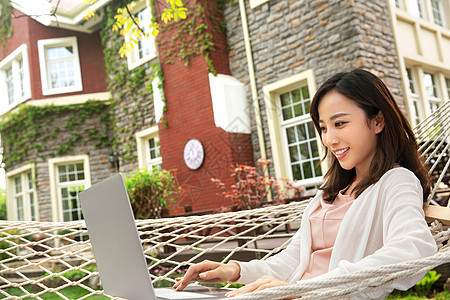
column 195, row 272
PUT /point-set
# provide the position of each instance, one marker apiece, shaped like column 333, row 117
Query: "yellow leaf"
column 88, row 14
column 178, row 3
column 182, row 14
column 166, row 16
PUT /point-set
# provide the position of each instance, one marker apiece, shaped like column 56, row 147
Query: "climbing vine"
column 130, row 89
column 193, row 36
column 5, row 22
column 26, row 133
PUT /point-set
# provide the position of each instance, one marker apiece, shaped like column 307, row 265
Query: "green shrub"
column 423, row 287
column 7, row 241
column 2, row 204
column 150, row 192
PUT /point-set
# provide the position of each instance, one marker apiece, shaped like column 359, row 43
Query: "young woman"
column 367, row 213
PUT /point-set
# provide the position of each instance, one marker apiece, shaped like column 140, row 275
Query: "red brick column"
column 189, row 115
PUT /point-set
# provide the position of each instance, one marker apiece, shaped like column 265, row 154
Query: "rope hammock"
column 46, row 257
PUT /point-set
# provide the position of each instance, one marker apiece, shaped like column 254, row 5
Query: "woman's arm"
column 396, row 225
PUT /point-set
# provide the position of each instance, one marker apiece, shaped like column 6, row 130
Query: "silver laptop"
column 117, row 247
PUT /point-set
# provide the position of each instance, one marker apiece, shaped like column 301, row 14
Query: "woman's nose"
column 330, row 138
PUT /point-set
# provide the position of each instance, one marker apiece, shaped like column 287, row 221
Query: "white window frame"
column 12, row 61
column 421, row 98
column 440, row 12
column 53, row 163
column 65, row 41
column 21, row 172
column 280, row 153
column 420, row 5
column 133, row 59
column 142, row 138
column 416, row 110
column 447, row 83
column 401, row 4
column 434, row 99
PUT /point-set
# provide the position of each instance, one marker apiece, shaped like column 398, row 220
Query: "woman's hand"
column 262, row 283
column 209, row 271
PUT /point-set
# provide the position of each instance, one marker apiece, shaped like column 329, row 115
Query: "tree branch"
column 131, row 16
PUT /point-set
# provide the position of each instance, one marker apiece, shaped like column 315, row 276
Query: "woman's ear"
column 378, row 123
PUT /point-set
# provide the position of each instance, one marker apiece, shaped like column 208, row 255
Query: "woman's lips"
column 341, row 152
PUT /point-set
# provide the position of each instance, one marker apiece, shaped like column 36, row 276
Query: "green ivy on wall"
column 5, row 22
column 25, row 132
column 193, row 36
column 126, row 86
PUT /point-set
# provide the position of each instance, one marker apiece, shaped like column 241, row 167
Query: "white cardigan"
column 385, row 225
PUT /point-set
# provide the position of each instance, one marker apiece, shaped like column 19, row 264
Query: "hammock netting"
column 37, row 258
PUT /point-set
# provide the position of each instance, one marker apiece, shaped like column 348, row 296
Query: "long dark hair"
column 396, row 142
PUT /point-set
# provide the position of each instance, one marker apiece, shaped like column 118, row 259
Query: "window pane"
column 70, row 204
column 290, row 133
column 315, row 150
column 412, row 87
column 447, row 82
column 21, row 78
column 32, row 208
column 307, row 169
column 59, row 52
column 295, row 103
column 145, row 44
column 430, row 86
column 10, row 85
column 437, row 12
column 294, row 154
column 303, row 150
column 18, row 184
column 318, row 169
column 286, row 106
column 20, row 209
column 301, row 132
column 298, row 110
column 296, row 173
column 434, row 106
column 60, row 62
column 416, row 8
column 72, row 175
column 416, row 111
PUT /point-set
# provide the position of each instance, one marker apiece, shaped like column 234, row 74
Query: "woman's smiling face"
column 347, row 133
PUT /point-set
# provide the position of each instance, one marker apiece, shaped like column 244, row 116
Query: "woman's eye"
column 337, row 124
column 322, row 129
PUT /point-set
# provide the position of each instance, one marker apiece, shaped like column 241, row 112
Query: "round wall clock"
column 193, row 154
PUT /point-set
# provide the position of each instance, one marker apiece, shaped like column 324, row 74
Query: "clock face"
column 193, row 154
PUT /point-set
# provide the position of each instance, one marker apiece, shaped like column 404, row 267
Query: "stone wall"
column 131, row 93
column 288, row 37
column 133, row 111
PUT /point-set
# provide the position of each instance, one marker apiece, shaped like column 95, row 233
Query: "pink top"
column 325, row 222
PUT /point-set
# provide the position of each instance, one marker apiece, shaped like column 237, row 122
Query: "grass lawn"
column 73, row 292
column 439, row 296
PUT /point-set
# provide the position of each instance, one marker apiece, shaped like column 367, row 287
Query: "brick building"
column 169, row 110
